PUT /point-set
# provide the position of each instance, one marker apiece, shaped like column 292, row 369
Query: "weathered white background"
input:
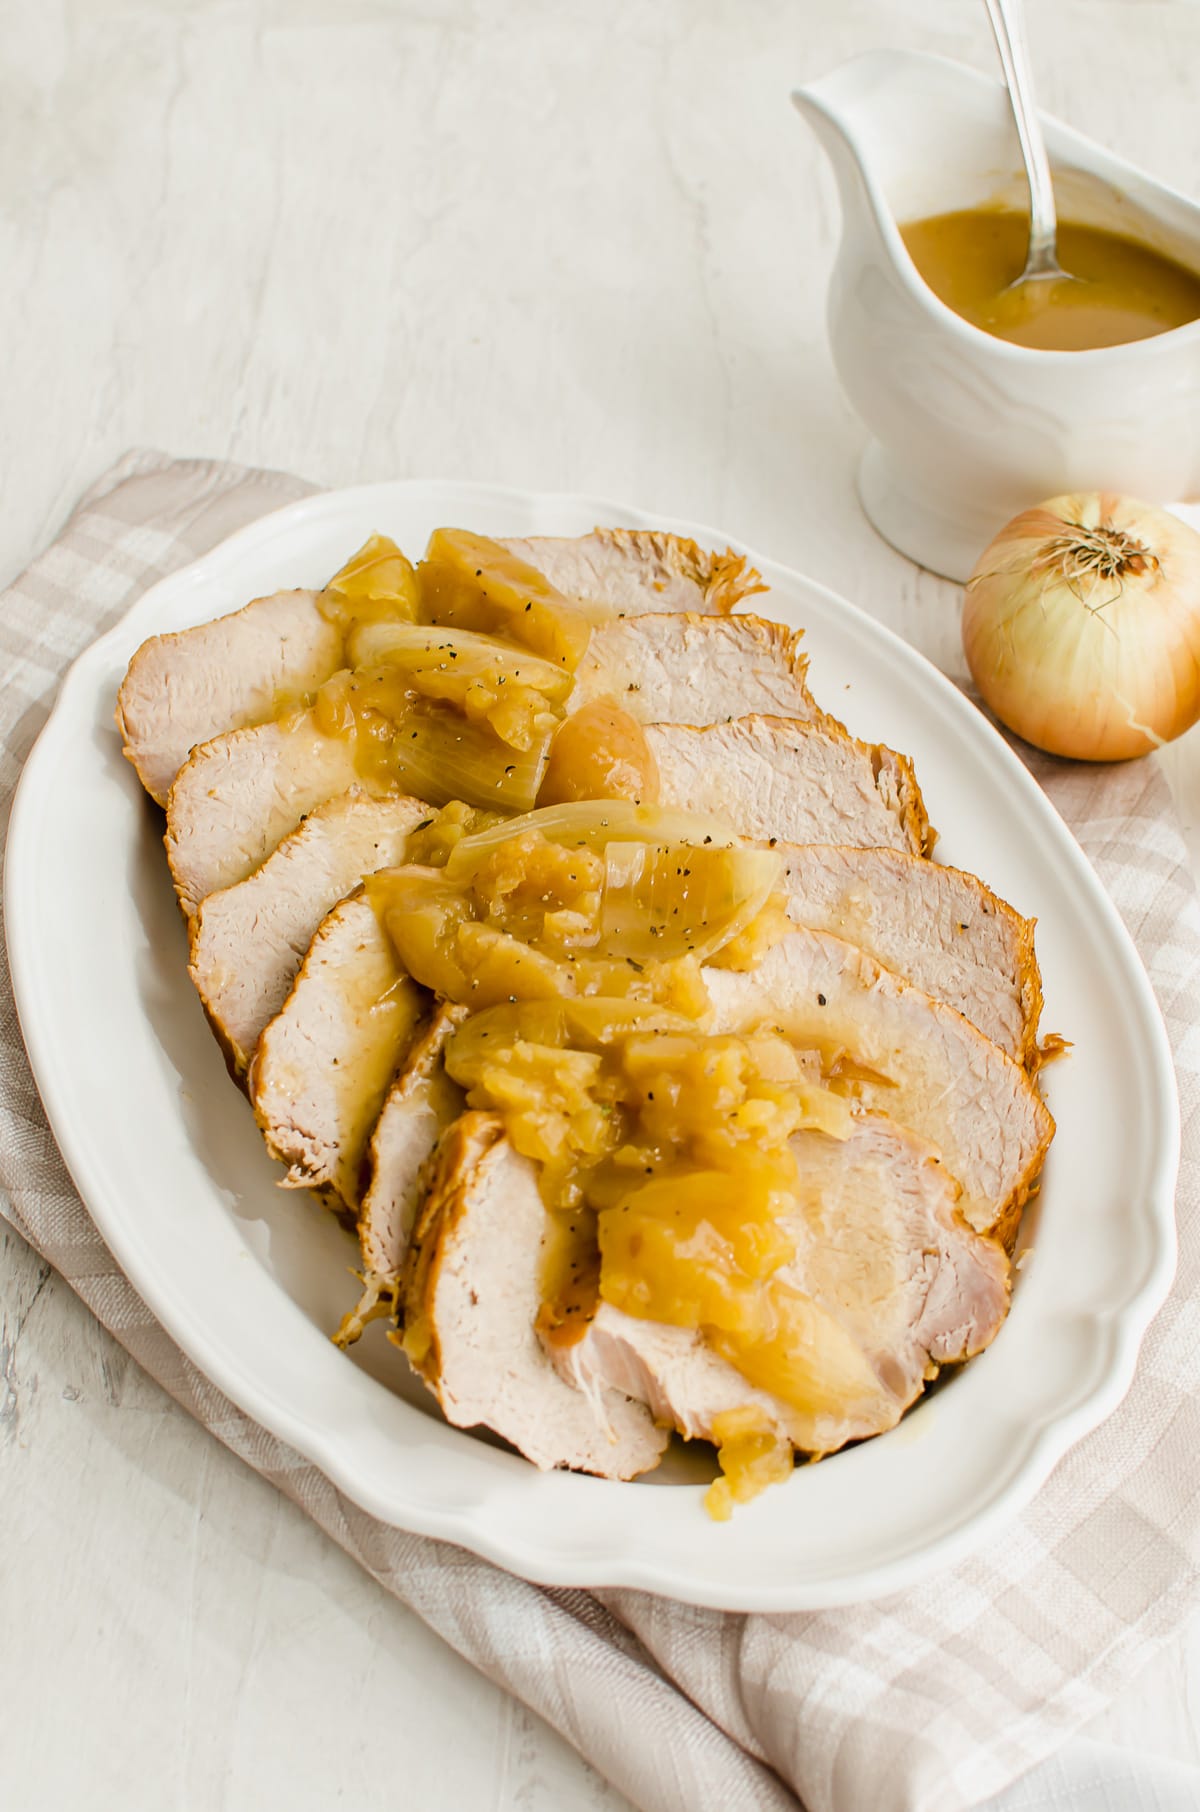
column 556, row 243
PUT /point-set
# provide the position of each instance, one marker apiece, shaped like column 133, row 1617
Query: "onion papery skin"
column 1086, row 656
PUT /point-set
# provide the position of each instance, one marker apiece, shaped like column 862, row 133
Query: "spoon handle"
column 1008, row 24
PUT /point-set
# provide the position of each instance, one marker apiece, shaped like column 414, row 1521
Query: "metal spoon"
column 1008, row 24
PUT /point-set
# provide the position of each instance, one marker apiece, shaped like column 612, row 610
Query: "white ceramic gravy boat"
column 968, row 429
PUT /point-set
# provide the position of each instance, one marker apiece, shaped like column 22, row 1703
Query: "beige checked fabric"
column 926, row 1702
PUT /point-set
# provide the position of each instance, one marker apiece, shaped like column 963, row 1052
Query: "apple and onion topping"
column 576, row 937
column 456, row 678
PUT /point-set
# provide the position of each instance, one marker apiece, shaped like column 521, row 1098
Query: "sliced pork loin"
column 904, row 1054
column 240, row 795
column 880, row 1250
column 684, row 668
column 182, row 689
column 937, row 927
column 421, row 1103
column 248, row 941
column 661, row 669
column 799, row 782
column 472, row 1291
column 629, row 571
column 325, row 1063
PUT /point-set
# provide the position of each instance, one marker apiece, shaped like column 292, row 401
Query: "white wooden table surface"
column 564, row 245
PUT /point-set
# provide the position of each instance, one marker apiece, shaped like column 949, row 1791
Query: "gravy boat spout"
column 967, row 429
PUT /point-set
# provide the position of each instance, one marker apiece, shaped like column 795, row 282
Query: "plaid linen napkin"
column 925, row 1702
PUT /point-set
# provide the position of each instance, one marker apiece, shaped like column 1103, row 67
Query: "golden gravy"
column 1117, row 289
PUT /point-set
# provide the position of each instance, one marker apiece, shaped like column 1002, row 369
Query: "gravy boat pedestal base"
column 948, row 540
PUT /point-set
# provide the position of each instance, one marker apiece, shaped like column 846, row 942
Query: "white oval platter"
column 249, row 1279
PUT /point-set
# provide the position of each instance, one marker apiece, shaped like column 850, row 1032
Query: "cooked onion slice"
column 517, row 693
column 663, row 900
column 461, row 655
column 592, row 824
column 441, row 756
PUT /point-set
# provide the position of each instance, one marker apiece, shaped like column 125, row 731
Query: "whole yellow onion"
column 1082, row 626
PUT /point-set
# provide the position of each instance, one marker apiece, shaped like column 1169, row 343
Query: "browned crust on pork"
column 913, row 815
column 788, row 641
column 317, row 1145
column 894, row 774
column 424, row 1058
column 1052, row 1047
column 1008, row 1218
column 462, row 1148
column 381, row 1276
column 1029, row 973
column 725, row 579
column 424, row 1054
column 234, row 1062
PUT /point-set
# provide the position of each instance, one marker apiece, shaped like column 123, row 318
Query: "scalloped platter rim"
column 249, row 1279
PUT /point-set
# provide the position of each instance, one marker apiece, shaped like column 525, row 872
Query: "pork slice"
column 239, row 795
column 803, row 782
column 678, row 667
column 248, row 941
column 880, row 1249
column 937, row 927
column 182, row 689
column 627, row 571
column 472, row 1290
column 324, row 1064
column 906, row 1055
column 421, row 1103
